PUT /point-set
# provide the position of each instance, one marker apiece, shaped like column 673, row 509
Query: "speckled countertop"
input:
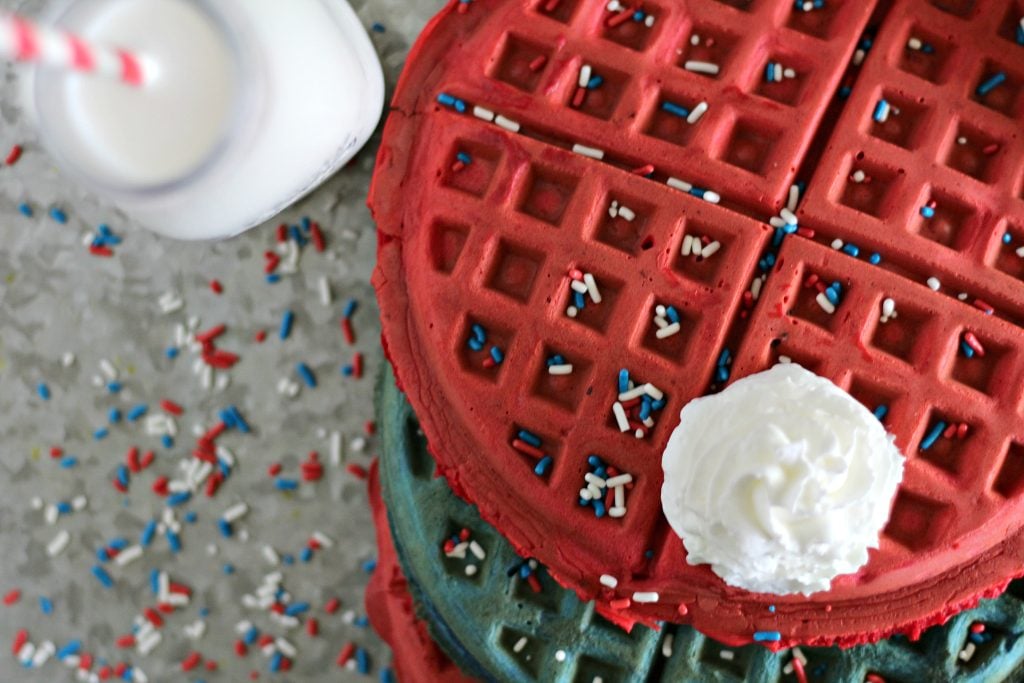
column 56, row 299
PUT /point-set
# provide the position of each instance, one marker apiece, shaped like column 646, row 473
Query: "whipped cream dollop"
column 781, row 482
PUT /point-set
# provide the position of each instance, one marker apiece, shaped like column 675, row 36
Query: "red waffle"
column 417, row 659
column 491, row 242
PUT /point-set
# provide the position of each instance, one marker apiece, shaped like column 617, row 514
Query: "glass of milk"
column 250, row 105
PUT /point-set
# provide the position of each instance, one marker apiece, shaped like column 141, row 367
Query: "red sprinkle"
column 982, row 306
column 524, row 447
column 154, row 617
column 346, row 654
column 282, row 232
column 534, row 583
column 317, row 236
column 578, row 97
column 357, row 471
column 346, row 329
column 216, row 287
column 160, row 486
column 977, row 627
column 682, row 609
column 191, row 662
column 357, row 365
column 211, row 334
column 961, row 430
column 312, row 627
column 538, row 63
column 132, row 460
column 618, row 18
column 171, row 407
column 370, row 427
column 798, row 669
column 125, row 641
column 260, row 336
column 332, row 605
column 644, row 170
column 240, row 649
column 20, row 638
column 873, row 678
column 274, row 469
column 96, row 250
column 12, row 597
column 621, row 603
column 56, row 452
column 13, row 155
column 975, row 345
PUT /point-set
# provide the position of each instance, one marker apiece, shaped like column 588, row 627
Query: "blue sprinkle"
column 286, row 324
column 724, row 358
column 496, row 355
column 148, row 532
column 72, row 648
column 475, row 345
column 966, row 349
column 167, row 441
column 658, row 405
column 452, row 102
column 875, row 259
column 288, row 559
column 296, row 608
column 123, row 476
column 387, row 676
column 68, row 461
column 771, row 608
column 306, row 554
column 128, row 675
column 832, row 295
column 464, row 158
column 378, row 27
column 1007, row 238
column 638, row 15
column 767, row 636
column 228, row 569
column 240, row 422
column 479, row 333
column 777, row 238
column 275, row 662
column 881, row 411
column 844, row 92
column 530, row 438
column 722, row 374
column 976, row 638
column 991, row 83
column 25, row 210
column 102, row 576
column 64, row 507
column 306, row 222
column 362, row 661
column 113, row 416
column 225, row 528
column 595, row 82
column 525, row 571
column 273, row 278
column 118, row 543
column 136, row 412
column 1020, row 33
column 227, row 418
column 881, row 111
column 362, row 621
column 296, row 236
column 347, row 370
column 306, row 374
column 171, row 352
column 154, row 581
column 928, row 211
column 578, row 300
column 645, row 408
column 599, row 509
column 350, row 308
column 45, row 605
column 43, row 391
column 675, row 109
column 851, row 250
column 369, row 566
column 543, row 466
column 114, row 387
column 623, row 380
column 102, row 555
column 58, row 215
column 932, row 436
column 251, row 635
column 769, row 72
column 673, row 314
column 283, row 484
column 173, row 541
column 191, row 517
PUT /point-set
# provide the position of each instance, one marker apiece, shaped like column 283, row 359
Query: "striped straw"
column 24, row 41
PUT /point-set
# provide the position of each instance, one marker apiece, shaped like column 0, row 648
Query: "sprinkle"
column 286, row 324
column 451, row 102
column 306, row 375
column 58, row 215
column 506, row 123
column 43, row 390
column 675, row 109
column 928, row 211
column 543, row 466
column 933, row 435
column 701, row 67
column 698, row 111
column 767, row 636
column 591, row 152
column 102, row 576
column 991, row 83
column 25, row 210
column 882, row 109
column 483, row 114
column 609, row 581
column 934, row 284
column 645, row 596
column 13, row 155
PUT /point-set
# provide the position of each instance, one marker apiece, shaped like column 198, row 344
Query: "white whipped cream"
column 781, row 482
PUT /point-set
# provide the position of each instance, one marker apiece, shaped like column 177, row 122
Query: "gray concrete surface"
column 56, row 298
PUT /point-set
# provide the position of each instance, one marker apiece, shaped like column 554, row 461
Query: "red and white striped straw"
column 25, row 41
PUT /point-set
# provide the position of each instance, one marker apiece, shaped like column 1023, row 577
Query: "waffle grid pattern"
column 493, row 244
column 754, row 133
column 943, row 121
column 479, row 620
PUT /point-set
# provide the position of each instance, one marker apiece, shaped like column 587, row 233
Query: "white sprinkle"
column 163, row 587
column 653, row 391
column 506, row 123
column 666, row 645
column 934, row 284
column 25, row 654
column 597, row 481
column 520, row 644
column 585, row 494
column 711, row 249
column 562, row 369
column 888, row 308
column 323, row 539
column 961, row 140
column 661, row 322
column 286, row 648
column 837, row 244
column 585, row 73
column 613, row 210
column 688, row 245
column 914, row 43
column 271, row 556
column 592, row 152
column 1020, row 252
column 108, row 369
column 128, row 555
column 478, row 552
column 678, row 184
column 649, row 20
column 147, row 644
column 609, row 581
column 776, row 222
column 334, row 448
column 617, row 511
column 358, row 444
column 798, row 654
column 325, row 291
column 858, row 56
column 701, row 67
column 789, row 216
column 51, row 514
column 572, row 311
column 755, row 288
column 578, row 286
column 595, row 294
column 619, row 480
column 825, row 304
column 68, row 359
column 645, row 596
column 727, row 655
column 471, row 570
column 59, row 543
column 777, row 72
column 627, row 213
column 695, row 39
column 620, row 416
column 560, row 655
column 667, row 331
column 235, row 512
column 485, row 114
column 711, row 197
column 639, row 433
column 44, row 653
column 630, row 394
column 859, row 176
column 967, row 653
column 697, row 112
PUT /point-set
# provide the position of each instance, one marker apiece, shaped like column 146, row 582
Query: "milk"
column 249, row 104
